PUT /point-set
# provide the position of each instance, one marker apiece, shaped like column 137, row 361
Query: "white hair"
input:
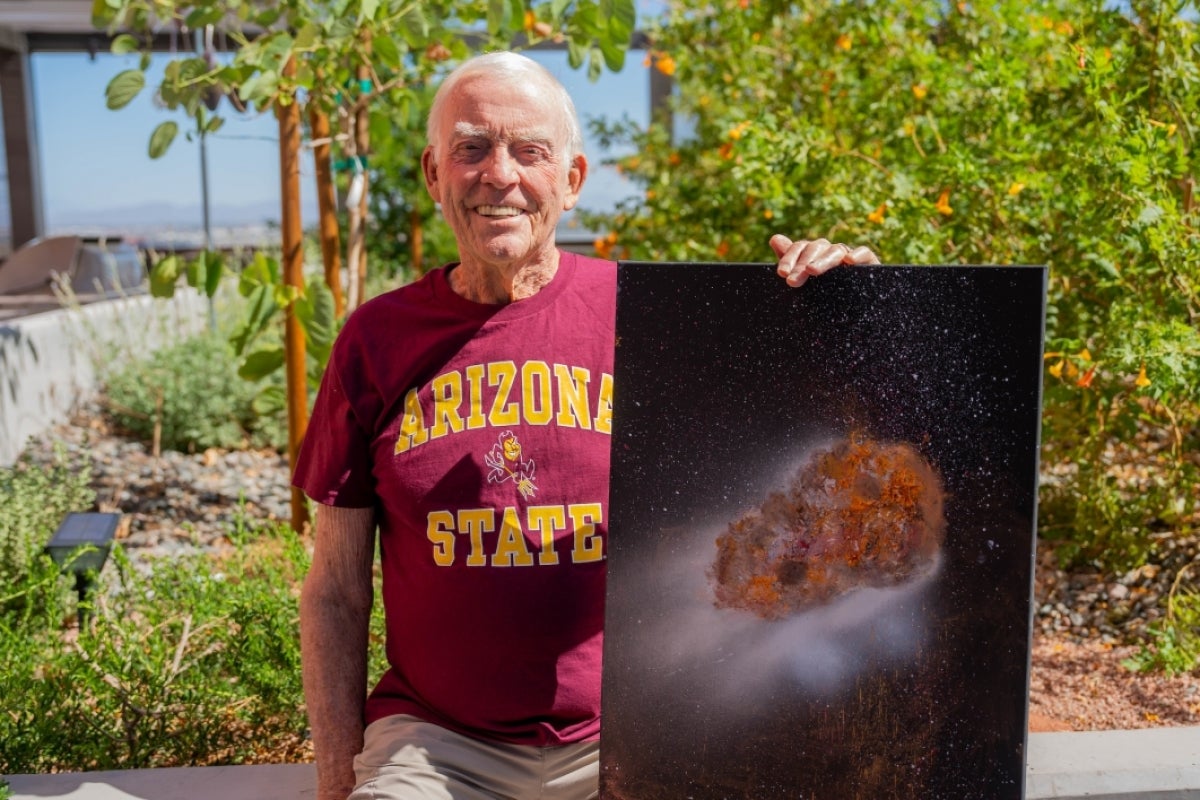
column 512, row 66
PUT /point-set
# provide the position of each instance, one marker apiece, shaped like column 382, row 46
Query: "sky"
column 96, row 172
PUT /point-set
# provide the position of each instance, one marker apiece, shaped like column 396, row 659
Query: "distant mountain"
column 142, row 217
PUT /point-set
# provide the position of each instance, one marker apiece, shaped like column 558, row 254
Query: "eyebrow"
column 464, row 130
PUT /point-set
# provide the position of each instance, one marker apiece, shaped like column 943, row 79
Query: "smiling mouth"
column 499, row 211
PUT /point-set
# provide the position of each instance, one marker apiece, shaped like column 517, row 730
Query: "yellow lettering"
column 439, row 529
column 572, row 396
column 603, row 422
column 447, row 397
column 545, row 520
column 511, row 550
column 588, row 544
column 476, row 522
column 475, row 419
column 412, row 428
column 535, row 392
column 503, row 374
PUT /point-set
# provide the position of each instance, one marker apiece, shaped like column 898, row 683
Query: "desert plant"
column 34, row 500
column 186, row 396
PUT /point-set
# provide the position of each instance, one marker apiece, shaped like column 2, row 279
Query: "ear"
column 576, row 175
column 429, row 168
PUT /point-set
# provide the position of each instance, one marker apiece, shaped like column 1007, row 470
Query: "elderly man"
column 467, row 417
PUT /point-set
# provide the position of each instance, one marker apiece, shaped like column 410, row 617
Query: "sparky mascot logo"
column 506, row 464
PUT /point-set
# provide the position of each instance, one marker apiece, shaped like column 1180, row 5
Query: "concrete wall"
column 50, row 362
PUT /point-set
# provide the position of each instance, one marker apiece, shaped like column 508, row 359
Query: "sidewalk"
column 1151, row 764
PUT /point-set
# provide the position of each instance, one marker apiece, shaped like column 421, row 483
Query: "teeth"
column 498, row 211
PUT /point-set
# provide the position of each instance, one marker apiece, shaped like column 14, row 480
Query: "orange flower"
column 1085, row 380
column 674, row 159
column 1057, row 369
column 744, row 4
column 1142, row 381
column 919, row 91
column 739, row 130
column 844, row 42
column 529, row 20
column 943, row 204
column 665, row 64
column 768, row 214
column 1015, row 189
column 722, row 249
column 726, row 150
column 878, row 214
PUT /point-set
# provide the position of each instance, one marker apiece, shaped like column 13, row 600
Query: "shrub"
column 188, row 396
column 1039, row 132
column 196, row 662
column 34, row 499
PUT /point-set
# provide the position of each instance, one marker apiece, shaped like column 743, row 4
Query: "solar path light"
column 80, row 546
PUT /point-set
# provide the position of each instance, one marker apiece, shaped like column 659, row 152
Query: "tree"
column 1036, row 132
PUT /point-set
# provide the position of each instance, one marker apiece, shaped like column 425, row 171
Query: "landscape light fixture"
column 81, row 546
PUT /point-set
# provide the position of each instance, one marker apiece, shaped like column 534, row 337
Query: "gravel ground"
column 1084, row 623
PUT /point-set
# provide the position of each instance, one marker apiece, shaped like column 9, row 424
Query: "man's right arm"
column 335, row 612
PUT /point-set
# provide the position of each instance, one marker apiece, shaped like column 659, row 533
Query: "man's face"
column 502, row 171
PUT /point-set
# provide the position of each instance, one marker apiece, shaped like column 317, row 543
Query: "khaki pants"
column 405, row 758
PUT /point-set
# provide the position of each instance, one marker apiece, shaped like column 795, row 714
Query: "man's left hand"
column 802, row 259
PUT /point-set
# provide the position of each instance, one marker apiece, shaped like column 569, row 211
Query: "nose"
column 500, row 168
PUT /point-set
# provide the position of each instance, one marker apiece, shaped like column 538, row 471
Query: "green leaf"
column 214, row 124
column 307, row 36
column 261, row 363
column 214, row 268
column 557, row 8
column 316, row 314
column 595, row 64
column 576, row 52
column 415, row 29
column 124, row 44
column 620, row 19
column 262, row 271
column 614, row 52
column 260, row 88
column 270, row 401
column 384, row 48
column 367, row 9
column 163, row 276
column 123, row 88
column 162, row 137
column 259, row 313
column 499, row 16
column 200, row 17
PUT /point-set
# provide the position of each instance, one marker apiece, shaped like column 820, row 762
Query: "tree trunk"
column 288, row 114
column 362, row 142
column 331, row 240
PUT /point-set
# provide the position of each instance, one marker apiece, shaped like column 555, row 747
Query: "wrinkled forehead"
column 490, row 107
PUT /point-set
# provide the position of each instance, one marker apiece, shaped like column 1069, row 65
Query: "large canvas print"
column 821, row 533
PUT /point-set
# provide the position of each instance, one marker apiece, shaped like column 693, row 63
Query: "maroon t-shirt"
column 480, row 434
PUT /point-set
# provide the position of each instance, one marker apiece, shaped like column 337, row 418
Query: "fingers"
column 802, row 259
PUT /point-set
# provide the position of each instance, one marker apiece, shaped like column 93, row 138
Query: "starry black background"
column 723, row 374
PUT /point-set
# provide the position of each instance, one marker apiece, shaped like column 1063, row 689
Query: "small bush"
column 33, row 502
column 1173, row 644
column 190, row 396
column 196, row 663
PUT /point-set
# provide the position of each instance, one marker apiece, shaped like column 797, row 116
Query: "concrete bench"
column 1152, row 764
